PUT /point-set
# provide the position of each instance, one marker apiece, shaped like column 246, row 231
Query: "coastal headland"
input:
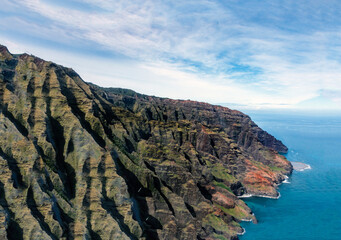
column 83, row 162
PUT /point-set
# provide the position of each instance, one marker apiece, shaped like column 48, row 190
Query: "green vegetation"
column 237, row 212
column 222, row 185
column 220, row 237
column 111, row 161
column 276, row 169
column 221, row 172
column 217, row 223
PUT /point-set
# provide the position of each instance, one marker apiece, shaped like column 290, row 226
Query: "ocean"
column 310, row 204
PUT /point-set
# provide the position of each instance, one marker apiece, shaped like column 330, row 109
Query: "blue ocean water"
column 310, row 205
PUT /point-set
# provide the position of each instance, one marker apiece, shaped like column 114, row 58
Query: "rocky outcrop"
column 83, row 162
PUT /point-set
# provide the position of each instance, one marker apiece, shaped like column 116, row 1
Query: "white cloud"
column 192, row 48
column 332, row 94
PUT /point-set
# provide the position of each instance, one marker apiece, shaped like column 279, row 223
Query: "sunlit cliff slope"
column 78, row 161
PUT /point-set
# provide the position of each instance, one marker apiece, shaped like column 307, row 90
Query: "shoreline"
column 248, row 195
column 286, row 179
column 242, row 233
column 297, row 166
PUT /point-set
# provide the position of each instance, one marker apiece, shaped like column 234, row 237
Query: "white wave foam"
column 300, row 167
column 242, row 233
column 286, row 181
column 308, row 167
column 256, row 195
column 264, row 196
column 246, row 220
column 247, row 195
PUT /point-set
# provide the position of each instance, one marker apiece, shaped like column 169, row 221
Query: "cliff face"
column 81, row 162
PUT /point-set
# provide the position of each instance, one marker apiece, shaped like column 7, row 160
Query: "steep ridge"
column 83, row 162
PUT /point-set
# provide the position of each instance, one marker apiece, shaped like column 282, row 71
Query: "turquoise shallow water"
column 310, row 205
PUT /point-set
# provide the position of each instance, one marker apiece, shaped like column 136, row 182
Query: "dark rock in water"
column 83, row 162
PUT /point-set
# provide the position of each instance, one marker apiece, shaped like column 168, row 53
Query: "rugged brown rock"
column 83, row 162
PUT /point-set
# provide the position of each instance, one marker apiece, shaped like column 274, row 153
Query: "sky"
column 244, row 54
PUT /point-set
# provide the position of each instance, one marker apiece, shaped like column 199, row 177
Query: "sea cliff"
column 83, row 162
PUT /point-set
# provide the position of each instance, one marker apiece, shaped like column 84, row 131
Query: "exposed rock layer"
column 83, row 162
